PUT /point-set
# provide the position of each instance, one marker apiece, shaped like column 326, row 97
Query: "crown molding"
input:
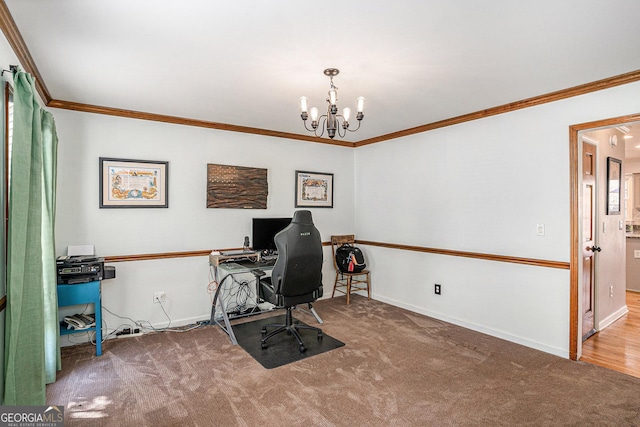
column 88, row 108
column 18, row 45
column 607, row 83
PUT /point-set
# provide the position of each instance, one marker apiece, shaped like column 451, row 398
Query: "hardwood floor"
column 617, row 347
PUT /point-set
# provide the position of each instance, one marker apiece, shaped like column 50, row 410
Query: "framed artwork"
column 314, row 190
column 236, row 187
column 614, row 180
column 126, row 183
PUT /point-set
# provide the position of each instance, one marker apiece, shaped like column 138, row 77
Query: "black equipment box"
column 79, row 269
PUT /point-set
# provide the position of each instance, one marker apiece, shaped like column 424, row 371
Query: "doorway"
column 580, row 303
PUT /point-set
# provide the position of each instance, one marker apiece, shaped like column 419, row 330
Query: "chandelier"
column 331, row 120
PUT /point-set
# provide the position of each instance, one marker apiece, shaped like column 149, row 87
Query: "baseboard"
column 607, row 321
column 80, row 338
column 478, row 328
column 180, row 322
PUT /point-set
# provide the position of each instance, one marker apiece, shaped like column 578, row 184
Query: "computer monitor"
column 264, row 230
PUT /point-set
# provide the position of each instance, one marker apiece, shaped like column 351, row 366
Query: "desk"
column 83, row 293
column 247, row 296
column 224, row 275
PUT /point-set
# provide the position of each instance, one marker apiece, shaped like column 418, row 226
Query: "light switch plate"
column 636, row 253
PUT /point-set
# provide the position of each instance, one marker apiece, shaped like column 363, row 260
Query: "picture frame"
column 236, row 187
column 127, row 183
column 614, row 180
column 314, row 189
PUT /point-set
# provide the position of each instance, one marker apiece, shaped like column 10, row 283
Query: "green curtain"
column 49, row 277
column 32, row 349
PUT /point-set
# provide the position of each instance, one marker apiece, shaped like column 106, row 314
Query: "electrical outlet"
column 611, row 291
column 437, row 289
column 159, row 297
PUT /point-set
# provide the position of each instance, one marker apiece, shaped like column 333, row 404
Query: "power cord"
column 145, row 326
column 135, row 327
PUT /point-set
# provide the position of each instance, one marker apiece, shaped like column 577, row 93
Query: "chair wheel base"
column 291, row 328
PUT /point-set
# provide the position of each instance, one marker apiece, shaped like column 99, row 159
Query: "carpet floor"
column 396, row 368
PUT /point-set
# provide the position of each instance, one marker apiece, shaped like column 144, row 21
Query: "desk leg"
column 227, row 325
column 313, row 312
column 228, row 329
column 98, row 317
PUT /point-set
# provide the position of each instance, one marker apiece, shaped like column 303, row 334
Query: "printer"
column 79, row 269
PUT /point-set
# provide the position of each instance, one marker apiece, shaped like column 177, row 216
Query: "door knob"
column 595, row 248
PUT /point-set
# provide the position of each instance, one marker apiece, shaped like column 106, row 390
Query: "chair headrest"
column 302, row 217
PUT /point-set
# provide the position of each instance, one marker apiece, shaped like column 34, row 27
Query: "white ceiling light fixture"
column 331, row 120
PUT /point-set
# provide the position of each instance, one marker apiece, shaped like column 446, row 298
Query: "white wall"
column 632, row 165
column 187, row 225
column 480, row 186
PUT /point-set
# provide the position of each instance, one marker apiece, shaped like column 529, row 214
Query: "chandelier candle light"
column 331, row 120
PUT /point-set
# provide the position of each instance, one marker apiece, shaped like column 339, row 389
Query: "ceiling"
column 247, row 63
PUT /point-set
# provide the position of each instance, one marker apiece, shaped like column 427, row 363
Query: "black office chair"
column 296, row 277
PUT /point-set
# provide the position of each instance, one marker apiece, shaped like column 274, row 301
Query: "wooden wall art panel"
column 236, row 187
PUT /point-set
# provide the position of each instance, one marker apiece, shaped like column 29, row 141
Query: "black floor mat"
column 282, row 348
